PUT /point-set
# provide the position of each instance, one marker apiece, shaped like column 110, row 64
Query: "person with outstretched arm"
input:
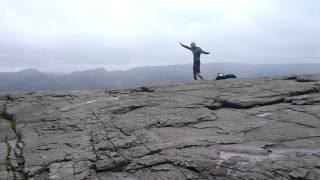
column 196, row 51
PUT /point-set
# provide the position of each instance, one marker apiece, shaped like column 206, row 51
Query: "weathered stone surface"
column 266, row 128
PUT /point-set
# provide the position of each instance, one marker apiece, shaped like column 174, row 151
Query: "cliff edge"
column 265, row 128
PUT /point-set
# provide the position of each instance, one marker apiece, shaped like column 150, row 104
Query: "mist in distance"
column 65, row 36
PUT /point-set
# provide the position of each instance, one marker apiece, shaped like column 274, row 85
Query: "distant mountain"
column 34, row 80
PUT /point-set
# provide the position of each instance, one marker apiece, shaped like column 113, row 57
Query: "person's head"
column 193, row 45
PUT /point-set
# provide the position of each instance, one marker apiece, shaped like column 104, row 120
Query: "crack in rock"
column 254, row 101
column 127, row 109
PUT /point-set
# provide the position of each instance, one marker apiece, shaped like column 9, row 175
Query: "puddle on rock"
column 252, row 157
column 264, row 114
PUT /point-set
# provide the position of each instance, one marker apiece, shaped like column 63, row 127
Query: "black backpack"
column 223, row 76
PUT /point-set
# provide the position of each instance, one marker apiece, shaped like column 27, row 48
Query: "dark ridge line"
column 127, row 109
column 232, row 105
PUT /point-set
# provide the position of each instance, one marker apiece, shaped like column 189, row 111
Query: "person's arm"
column 184, row 46
column 204, row 52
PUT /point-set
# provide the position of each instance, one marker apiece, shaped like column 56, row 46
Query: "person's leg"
column 194, row 72
column 201, row 77
column 194, row 75
column 198, row 71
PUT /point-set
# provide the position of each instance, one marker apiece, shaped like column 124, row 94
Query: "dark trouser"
column 196, row 69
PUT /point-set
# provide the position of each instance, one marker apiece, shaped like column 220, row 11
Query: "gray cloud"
column 58, row 35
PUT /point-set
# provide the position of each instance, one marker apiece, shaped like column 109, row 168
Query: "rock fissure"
column 300, row 138
column 74, row 170
column 289, row 122
column 303, row 111
column 127, row 109
column 121, row 130
column 93, row 148
column 249, row 130
column 15, row 160
column 8, row 164
column 19, row 155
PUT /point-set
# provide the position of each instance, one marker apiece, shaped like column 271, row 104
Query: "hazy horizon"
column 155, row 66
column 33, row 80
column 65, row 36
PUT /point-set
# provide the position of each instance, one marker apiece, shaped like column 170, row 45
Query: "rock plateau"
column 259, row 129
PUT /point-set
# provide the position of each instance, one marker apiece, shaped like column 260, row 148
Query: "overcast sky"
column 67, row 35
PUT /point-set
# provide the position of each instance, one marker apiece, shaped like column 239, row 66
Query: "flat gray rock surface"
column 266, row 128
